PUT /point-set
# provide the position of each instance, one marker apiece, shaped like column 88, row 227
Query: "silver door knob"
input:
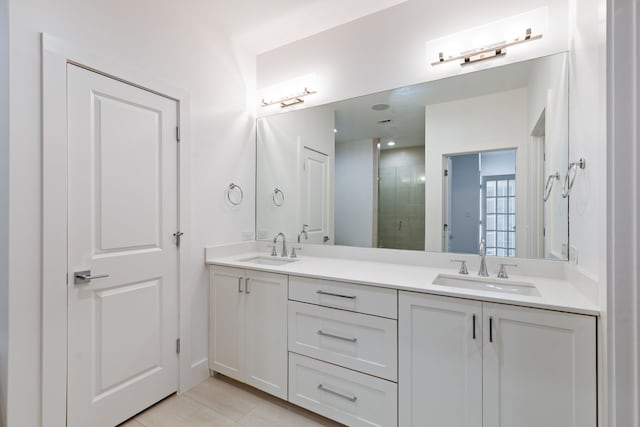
column 84, row 277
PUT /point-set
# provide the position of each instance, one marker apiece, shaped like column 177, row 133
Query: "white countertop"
column 555, row 294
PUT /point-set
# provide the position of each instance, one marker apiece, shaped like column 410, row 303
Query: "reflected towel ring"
column 277, row 197
column 235, row 189
column 549, row 186
column 570, row 177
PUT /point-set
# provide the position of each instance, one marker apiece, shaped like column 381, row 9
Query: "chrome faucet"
column 284, row 244
column 304, row 231
column 483, row 261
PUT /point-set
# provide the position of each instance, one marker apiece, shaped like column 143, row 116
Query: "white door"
column 227, row 321
column 122, row 213
column 440, row 361
column 266, row 332
column 315, row 197
column 539, row 368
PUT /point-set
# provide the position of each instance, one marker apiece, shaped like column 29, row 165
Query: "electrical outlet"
column 262, row 235
column 247, row 235
column 573, row 254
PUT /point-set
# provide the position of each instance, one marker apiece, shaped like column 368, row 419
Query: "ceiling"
column 258, row 26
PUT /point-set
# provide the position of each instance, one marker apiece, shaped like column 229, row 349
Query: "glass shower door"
column 401, row 207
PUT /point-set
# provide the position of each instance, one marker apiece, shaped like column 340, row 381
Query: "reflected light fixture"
column 491, row 51
column 288, row 101
column 391, row 143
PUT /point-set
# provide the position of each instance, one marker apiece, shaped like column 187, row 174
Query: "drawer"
column 356, row 341
column 343, row 395
column 346, row 296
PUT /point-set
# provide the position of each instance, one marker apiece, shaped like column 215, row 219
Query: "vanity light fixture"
column 288, row 101
column 491, row 51
column 391, row 143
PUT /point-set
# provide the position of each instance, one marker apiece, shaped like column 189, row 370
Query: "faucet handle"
column 502, row 273
column 273, row 250
column 293, row 251
column 463, row 266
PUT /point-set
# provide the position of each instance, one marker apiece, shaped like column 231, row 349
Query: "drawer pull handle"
column 337, row 393
column 239, row 284
column 336, row 295
column 328, row 334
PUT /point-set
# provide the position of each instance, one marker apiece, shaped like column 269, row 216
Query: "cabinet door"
column 266, row 332
column 539, row 368
column 440, row 361
column 226, row 321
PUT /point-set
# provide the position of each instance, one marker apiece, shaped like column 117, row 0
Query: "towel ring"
column 235, row 189
column 549, row 186
column 570, row 177
column 277, row 200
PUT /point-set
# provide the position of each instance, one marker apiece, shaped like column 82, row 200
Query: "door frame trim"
column 56, row 54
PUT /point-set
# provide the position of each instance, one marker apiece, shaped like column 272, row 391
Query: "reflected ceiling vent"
column 384, row 122
column 380, row 107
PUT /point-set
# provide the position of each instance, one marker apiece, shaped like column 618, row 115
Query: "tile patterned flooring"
column 220, row 401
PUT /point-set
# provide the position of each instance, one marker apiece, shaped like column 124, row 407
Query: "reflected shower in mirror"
column 435, row 166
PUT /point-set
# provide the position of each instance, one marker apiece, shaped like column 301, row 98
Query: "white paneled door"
column 315, row 196
column 122, row 214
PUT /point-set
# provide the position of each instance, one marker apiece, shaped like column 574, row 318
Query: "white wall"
column 281, row 139
column 387, row 49
column 4, row 204
column 587, row 136
column 354, row 202
column 500, row 126
column 163, row 41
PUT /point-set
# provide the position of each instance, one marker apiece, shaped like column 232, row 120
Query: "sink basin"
column 266, row 260
column 480, row 284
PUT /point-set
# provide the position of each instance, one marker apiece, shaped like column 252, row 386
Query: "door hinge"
column 446, row 172
column 178, row 133
column 178, row 235
column 178, row 346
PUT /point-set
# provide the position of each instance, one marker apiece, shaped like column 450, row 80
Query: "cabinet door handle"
column 335, row 295
column 240, row 284
column 340, row 337
column 246, row 286
column 490, row 329
column 474, row 326
column 350, row 398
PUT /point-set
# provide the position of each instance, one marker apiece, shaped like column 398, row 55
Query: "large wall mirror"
column 436, row 166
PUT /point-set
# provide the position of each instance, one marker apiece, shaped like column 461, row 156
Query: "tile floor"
column 220, row 401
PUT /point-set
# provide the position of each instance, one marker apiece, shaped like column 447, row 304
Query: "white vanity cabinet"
column 467, row 363
column 248, row 327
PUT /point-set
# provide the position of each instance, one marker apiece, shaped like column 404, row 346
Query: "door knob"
column 84, row 277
